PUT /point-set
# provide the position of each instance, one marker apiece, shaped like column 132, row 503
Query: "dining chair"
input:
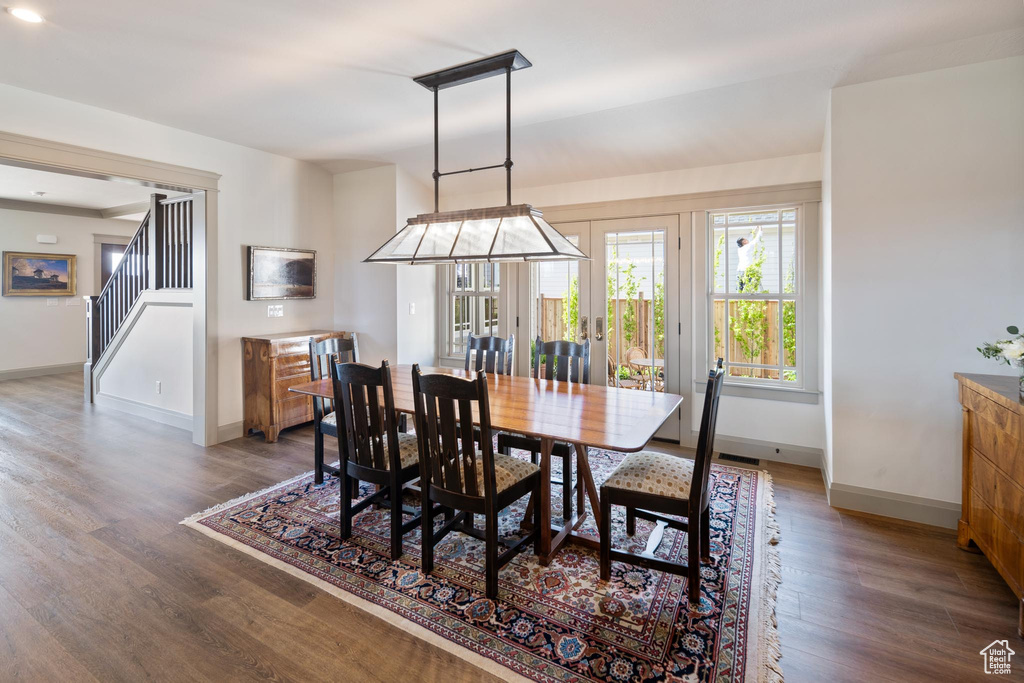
column 493, row 354
column 461, row 475
column 371, row 448
column 322, row 355
column 564, row 361
column 613, row 374
column 637, row 373
column 652, row 485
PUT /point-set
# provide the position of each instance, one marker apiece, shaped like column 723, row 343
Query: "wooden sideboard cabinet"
column 992, row 509
column 272, row 364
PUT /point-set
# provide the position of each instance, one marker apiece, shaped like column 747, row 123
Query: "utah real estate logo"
column 997, row 657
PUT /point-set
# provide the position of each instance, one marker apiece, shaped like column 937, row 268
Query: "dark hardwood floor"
column 99, row 582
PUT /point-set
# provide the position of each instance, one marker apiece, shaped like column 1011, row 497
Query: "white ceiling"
column 616, row 87
column 18, row 184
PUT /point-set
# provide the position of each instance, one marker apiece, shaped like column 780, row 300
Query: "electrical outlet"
column 412, row 308
column 51, row 301
column 158, row 387
column 275, row 311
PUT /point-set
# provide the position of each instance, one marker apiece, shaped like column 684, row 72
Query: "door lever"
column 583, row 328
column 598, row 329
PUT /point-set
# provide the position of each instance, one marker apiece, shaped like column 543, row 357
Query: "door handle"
column 598, row 329
column 583, row 328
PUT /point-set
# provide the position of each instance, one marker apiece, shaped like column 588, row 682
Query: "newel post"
column 155, row 243
column 92, row 343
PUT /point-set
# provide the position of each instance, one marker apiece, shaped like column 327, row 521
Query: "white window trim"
column 808, row 349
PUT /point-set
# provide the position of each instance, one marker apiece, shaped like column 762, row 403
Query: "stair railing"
column 159, row 256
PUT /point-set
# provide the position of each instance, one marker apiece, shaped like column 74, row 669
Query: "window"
column 754, row 299
column 473, row 291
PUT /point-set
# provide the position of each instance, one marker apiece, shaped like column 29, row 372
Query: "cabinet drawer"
column 1001, row 546
column 293, row 411
column 990, row 411
column 1005, row 497
column 1001, row 447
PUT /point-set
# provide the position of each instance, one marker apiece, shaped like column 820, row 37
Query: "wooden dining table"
column 584, row 415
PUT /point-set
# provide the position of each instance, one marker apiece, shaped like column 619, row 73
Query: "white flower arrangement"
column 1009, row 351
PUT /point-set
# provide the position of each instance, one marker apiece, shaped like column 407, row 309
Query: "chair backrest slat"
column 444, row 425
column 365, row 400
column 322, row 355
column 706, row 440
column 563, row 360
column 493, row 354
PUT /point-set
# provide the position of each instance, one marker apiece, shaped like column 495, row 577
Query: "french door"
column 625, row 300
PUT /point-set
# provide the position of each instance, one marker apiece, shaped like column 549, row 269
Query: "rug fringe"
column 191, row 519
column 771, row 671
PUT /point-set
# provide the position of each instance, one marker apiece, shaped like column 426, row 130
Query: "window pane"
column 718, row 310
column 753, row 332
column 718, row 255
column 753, row 254
column 789, row 256
column 789, row 333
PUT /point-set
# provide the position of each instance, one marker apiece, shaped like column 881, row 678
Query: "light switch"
column 72, row 301
column 50, row 301
column 275, row 311
column 412, row 308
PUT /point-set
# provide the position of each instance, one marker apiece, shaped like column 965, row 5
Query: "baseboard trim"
column 41, row 370
column 230, row 431
column 165, row 416
column 901, row 506
column 805, row 456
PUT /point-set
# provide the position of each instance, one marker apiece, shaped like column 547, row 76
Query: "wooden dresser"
column 272, row 364
column 992, row 512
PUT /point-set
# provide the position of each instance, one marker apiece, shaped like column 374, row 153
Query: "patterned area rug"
column 555, row 623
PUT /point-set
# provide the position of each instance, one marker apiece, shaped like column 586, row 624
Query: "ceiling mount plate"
column 474, row 71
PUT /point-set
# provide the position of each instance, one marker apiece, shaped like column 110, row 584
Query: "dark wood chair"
column 652, row 485
column 459, row 477
column 493, row 354
column 322, row 355
column 564, row 361
column 371, row 448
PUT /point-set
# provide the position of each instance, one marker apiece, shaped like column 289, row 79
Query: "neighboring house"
column 997, row 657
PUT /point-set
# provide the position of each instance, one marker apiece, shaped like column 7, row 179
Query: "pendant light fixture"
column 501, row 233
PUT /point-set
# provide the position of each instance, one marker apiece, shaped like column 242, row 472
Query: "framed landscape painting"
column 31, row 274
column 281, row 273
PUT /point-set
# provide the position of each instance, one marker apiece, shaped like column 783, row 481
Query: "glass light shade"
column 505, row 233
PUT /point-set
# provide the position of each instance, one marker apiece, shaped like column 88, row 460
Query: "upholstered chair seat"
column 508, row 471
column 659, row 474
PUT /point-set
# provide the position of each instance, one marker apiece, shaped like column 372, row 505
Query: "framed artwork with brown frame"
column 36, row 274
column 279, row 273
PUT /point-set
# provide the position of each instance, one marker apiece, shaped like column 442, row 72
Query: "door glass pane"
column 635, row 319
column 556, row 299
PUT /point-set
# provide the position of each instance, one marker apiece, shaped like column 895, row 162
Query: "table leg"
column 583, row 466
column 546, row 446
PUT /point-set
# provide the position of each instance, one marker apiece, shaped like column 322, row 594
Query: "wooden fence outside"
column 553, row 324
column 769, row 342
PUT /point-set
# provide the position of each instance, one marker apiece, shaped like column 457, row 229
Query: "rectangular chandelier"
column 501, row 233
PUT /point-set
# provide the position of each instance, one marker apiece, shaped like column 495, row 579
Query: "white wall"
column 159, row 349
column 264, row 199
column 825, row 265
column 927, row 238
column 372, row 298
column 36, row 335
column 783, row 170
